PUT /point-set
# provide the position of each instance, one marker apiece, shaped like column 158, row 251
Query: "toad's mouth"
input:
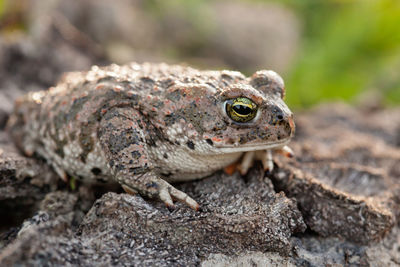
column 252, row 147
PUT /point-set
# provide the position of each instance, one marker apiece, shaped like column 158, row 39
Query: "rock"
column 345, row 178
column 22, row 177
column 248, row 259
column 252, row 40
column 331, row 212
column 311, row 250
column 24, row 182
column 206, row 34
column 236, row 34
column 236, row 217
column 3, row 116
column 37, row 61
column 38, row 243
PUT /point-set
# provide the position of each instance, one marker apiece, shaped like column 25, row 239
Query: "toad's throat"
column 251, row 147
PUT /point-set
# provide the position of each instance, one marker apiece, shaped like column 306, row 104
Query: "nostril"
column 277, row 116
column 278, row 113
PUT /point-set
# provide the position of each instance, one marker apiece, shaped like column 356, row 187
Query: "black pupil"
column 242, row 110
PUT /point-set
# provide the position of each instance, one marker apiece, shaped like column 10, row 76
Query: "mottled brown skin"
column 146, row 125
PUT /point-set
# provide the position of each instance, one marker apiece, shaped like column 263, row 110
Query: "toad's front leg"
column 123, row 140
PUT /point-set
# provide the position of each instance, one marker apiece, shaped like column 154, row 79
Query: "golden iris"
column 241, row 109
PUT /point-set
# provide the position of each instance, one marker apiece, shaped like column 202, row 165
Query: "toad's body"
column 146, row 125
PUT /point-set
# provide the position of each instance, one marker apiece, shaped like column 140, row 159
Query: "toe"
column 286, row 151
column 183, row 197
column 166, row 198
column 267, row 161
column 246, row 163
column 129, row 190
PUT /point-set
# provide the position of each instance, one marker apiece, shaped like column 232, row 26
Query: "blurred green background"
column 325, row 50
column 347, row 47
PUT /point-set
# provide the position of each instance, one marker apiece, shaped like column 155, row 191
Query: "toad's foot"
column 158, row 188
column 265, row 156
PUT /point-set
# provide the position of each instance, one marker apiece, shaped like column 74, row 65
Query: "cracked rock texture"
column 236, row 217
column 336, row 202
column 346, row 176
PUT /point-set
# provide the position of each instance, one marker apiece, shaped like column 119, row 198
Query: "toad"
column 148, row 125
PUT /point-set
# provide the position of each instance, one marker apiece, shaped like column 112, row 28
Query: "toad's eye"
column 241, row 109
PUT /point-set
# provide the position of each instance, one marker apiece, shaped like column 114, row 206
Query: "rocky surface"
column 23, row 183
column 236, row 216
column 346, row 177
column 344, row 181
